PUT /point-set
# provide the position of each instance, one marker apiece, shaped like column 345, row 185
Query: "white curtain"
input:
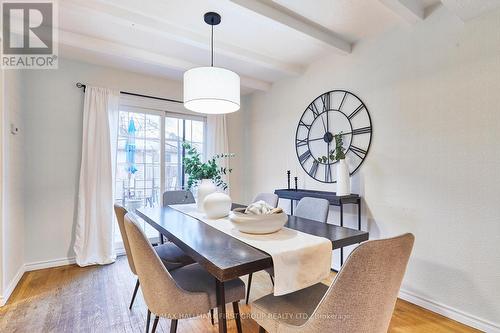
column 217, row 142
column 94, row 242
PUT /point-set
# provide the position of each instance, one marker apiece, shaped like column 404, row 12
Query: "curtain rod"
column 81, row 85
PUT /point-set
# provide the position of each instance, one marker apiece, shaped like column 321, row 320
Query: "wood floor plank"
column 96, row 299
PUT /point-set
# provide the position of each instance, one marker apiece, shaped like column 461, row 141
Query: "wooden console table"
column 332, row 198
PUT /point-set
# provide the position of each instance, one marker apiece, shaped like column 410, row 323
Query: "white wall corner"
column 4, row 297
column 450, row 312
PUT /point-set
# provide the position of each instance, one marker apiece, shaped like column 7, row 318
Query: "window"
column 149, row 156
column 178, row 130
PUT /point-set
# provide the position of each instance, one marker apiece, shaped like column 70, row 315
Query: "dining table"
column 226, row 257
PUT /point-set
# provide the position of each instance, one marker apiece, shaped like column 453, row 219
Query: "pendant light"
column 210, row 89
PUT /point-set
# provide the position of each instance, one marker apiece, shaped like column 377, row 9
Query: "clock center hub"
column 328, row 137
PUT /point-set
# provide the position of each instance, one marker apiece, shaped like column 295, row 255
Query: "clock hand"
column 327, row 122
column 323, row 121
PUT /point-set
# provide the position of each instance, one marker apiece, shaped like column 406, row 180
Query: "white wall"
column 53, row 112
column 433, row 91
column 13, row 186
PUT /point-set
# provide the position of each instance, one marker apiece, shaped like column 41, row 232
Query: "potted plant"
column 207, row 176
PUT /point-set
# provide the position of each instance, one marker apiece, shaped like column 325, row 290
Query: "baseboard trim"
column 449, row 312
column 33, row 266
column 12, row 285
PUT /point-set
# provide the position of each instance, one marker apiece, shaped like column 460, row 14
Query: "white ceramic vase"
column 343, row 180
column 205, row 188
column 217, row 205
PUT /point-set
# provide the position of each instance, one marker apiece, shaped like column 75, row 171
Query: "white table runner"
column 300, row 260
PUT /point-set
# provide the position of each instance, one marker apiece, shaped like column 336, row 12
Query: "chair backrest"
column 363, row 295
column 120, row 212
column 160, row 291
column 177, row 197
column 270, row 198
column 312, row 209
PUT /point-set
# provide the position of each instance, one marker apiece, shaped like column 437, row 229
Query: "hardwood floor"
column 96, row 299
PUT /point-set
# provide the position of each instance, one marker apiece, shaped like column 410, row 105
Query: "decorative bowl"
column 257, row 224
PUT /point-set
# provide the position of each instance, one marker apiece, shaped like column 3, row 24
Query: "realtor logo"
column 29, row 38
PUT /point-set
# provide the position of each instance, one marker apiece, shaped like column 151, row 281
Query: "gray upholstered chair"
column 270, row 198
column 186, row 292
column 313, row 209
column 171, row 256
column 361, row 298
column 178, row 197
column 308, row 208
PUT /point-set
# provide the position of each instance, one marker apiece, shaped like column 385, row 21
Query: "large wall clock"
column 334, row 112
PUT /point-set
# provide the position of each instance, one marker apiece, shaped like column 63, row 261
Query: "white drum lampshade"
column 211, row 90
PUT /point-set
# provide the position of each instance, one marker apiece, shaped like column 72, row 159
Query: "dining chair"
column 360, row 299
column 176, row 198
column 313, row 209
column 186, row 292
column 171, row 256
column 308, row 208
column 270, row 198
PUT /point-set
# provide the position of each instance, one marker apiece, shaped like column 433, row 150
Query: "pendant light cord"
column 212, row 43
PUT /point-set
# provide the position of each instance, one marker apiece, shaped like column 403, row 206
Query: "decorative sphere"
column 217, row 205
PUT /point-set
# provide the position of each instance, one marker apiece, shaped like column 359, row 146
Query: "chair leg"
column 155, row 324
column 212, row 316
column 237, row 318
column 272, row 279
column 147, row 321
column 135, row 294
column 161, row 238
column 173, row 326
column 261, row 329
column 248, row 287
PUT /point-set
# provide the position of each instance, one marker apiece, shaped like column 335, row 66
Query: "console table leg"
column 341, row 224
column 359, row 214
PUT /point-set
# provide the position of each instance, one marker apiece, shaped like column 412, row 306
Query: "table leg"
column 291, row 207
column 341, row 224
column 359, row 214
column 221, row 306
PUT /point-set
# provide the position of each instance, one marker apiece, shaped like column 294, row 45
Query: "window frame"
column 163, row 110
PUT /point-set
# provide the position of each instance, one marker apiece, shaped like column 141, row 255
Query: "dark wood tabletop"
column 226, row 257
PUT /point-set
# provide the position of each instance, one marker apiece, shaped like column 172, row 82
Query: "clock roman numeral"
column 301, row 123
column 355, row 112
column 362, row 130
column 314, row 109
column 314, row 169
column 326, row 101
column 358, row 151
column 342, row 102
column 304, row 157
column 328, row 173
column 301, row 142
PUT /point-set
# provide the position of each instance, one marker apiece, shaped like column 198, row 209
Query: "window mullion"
column 163, row 181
